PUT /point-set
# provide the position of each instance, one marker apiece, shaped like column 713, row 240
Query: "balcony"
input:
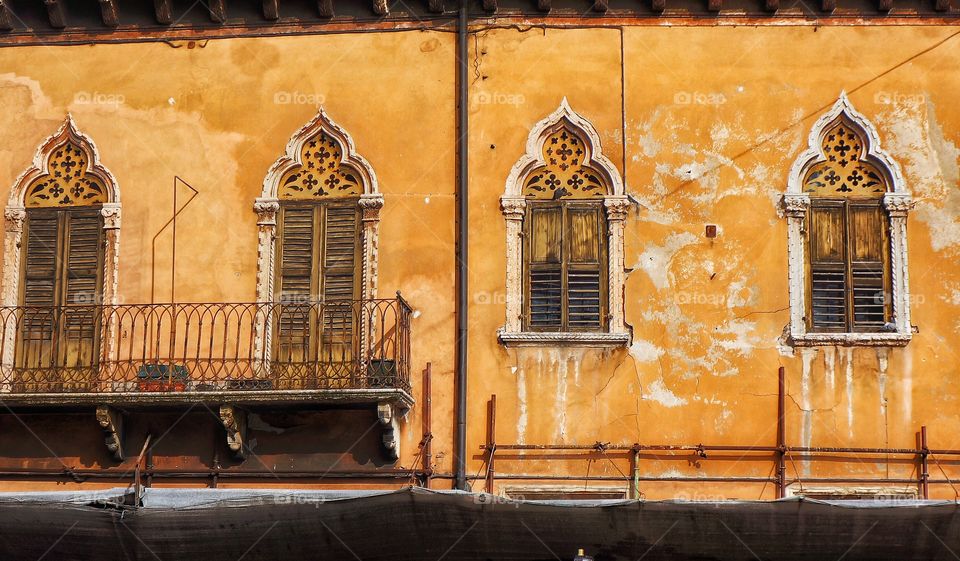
column 239, row 353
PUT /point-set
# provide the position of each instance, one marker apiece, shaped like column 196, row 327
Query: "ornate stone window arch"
column 319, row 143
column 66, row 172
column 564, row 161
column 844, row 162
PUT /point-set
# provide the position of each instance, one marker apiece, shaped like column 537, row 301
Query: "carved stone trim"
column 852, row 339
column 389, row 419
column 796, row 204
column 572, row 339
column 235, row 422
column 513, row 205
column 111, row 421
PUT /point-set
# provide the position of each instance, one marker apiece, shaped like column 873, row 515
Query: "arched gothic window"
column 60, row 260
column 564, row 204
column 318, row 219
column 847, row 208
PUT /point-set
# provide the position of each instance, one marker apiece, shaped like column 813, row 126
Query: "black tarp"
column 416, row 524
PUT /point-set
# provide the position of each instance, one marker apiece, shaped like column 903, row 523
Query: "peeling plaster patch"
column 848, row 374
column 560, row 403
column 655, row 260
column 723, row 421
column 647, row 139
column 931, row 165
column 40, row 105
column 521, row 406
column 743, row 340
column 829, row 365
column 908, row 385
column 658, row 391
column 645, row 351
column 882, row 363
column 806, row 431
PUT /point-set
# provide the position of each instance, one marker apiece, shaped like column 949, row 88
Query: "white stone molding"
column 513, row 205
column 896, row 200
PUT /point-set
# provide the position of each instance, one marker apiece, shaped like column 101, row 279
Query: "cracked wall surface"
column 709, row 122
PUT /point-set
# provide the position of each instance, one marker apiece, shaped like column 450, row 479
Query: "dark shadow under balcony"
column 270, row 353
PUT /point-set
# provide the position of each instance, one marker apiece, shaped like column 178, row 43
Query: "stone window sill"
column 852, row 339
column 565, row 339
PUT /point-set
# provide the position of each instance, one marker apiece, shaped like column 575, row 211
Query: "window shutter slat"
column 339, row 279
column 828, row 285
column 867, row 253
column 83, row 257
column 545, row 251
column 81, row 290
column 296, row 254
column 40, row 267
column 583, row 270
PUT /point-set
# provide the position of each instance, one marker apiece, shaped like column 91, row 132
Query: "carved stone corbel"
column 796, row 206
column 111, row 216
column 390, row 420
column 235, row 422
column 898, row 204
column 111, row 421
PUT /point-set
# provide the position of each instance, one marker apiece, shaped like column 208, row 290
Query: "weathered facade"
column 629, row 308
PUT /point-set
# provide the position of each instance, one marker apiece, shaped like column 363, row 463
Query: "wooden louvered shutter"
column 585, row 268
column 80, row 286
column 867, row 248
column 340, row 246
column 39, row 290
column 828, row 270
column 295, row 283
column 544, row 276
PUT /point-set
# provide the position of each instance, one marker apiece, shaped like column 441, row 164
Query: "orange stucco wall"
column 713, row 118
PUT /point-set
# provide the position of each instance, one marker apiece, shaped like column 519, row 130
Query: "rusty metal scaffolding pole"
column 781, row 437
column 491, row 441
column 427, row 426
column 924, row 466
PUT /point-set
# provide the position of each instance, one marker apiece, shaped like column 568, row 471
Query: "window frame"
column 615, row 203
column 848, row 264
column 565, row 265
column 897, row 203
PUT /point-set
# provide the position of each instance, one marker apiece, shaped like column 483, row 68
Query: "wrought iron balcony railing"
column 168, row 348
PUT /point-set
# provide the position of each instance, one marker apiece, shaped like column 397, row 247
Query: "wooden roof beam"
column 55, row 13
column 108, row 13
column 163, row 12
column 271, row 9
column 218, row 11
column 6, row 16
column 325, row 8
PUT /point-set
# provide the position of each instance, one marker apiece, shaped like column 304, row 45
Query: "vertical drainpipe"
column 460, row 445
